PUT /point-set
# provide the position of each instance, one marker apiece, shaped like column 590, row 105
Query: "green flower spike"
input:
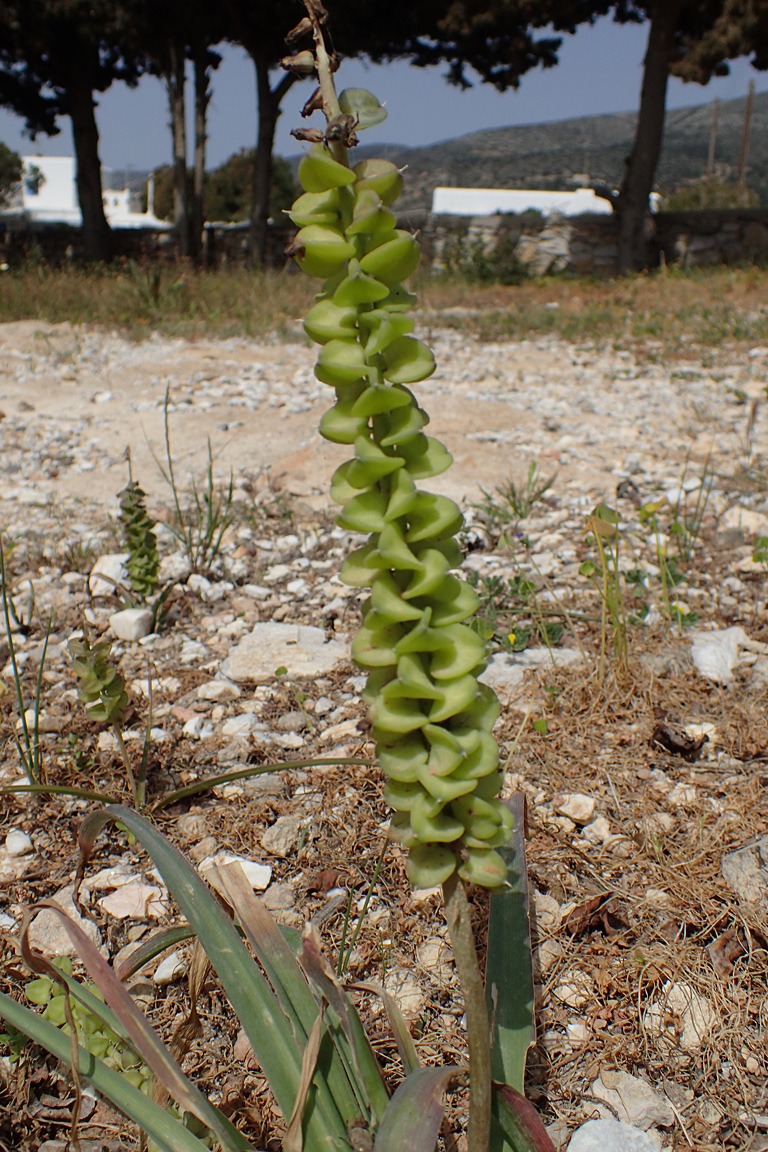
column 431, row 718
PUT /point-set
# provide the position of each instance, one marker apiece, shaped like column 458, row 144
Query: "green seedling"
column 140, row 541
column 605, row 574
column 512, row 502
column 28, row 746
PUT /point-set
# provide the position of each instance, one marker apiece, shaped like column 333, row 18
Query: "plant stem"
column 478, row 1025
column 137, row 798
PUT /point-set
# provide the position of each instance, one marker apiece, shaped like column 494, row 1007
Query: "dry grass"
column 668, row 313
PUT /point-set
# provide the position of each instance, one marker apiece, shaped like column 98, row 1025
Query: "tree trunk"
column 632, row 204
column 97, row 235
column 202, row 98
column 268, row 111
column 176, row 81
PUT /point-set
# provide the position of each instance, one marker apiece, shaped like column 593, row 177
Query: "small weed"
column 604, row 534
column 199, row 527
column 514, row 502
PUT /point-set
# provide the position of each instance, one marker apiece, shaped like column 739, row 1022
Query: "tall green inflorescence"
column 431, row 718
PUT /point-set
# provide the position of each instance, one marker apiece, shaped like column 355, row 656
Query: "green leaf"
column 251, row 998
column 415, row 1112
column 363, row 105
column 167, row 1132
column 509, row 967
column 518, row 1126
column 541, row 725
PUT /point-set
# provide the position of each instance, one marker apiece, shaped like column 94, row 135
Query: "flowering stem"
column 478, row 1025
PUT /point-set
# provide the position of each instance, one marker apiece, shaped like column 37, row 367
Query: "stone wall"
column 515, row 245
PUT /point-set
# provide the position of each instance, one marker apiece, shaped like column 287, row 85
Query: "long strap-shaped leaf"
column 509, row 970
column 415, row 1112
column 252, row 999
column 518, row 1122
column 168, row 1133
column 143, row 1036
column 287, row 978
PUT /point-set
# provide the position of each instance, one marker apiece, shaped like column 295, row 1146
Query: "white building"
column 48, row 195
column 496, row 201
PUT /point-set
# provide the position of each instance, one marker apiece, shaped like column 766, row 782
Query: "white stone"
column 136, row 901
column 577, row 1031
column 282, row 838
column 598, row 832
column 131, row 623
column 242, row 725
column 302, row 650
column 436, row 958
column 257, row 875
column 577, row 806
column 575, row 988
column 112, row 566
column 170, row 968
column 547, row 911
column 47, row 932
column 682, row 794
column 635, row 1101
column 681, row 1017
column 218, row 690
column 547, row 954
column 403, row 985
column 506, row 669
column 279, row 897
column 746, row 870
column 18, row 843
column 716, row 654
column 612, row 1136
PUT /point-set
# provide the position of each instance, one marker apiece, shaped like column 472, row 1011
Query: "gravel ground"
column 648, row 961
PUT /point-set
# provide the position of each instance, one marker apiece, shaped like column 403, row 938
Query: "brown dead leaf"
column 325, row 880
column 725, row 950
column 677, row 742
column 602, row 913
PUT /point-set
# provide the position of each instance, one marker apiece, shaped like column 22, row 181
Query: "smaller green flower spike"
column 431, row 718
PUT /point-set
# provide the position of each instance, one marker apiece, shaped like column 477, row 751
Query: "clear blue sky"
column 600, row 71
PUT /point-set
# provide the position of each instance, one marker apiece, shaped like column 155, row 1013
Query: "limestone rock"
column 47, row 931
column 635, row 1101
column 302, row 650
column 108, row 571
column 746, row 870
column 612, row 1136
column 282, row 838
column 131, row 623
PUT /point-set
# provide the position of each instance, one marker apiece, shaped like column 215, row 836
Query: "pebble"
column 47, row 932
column 282, row 838
column 108, row 571
column 170, row 968
column 612, row 1136
column 192, row 825
column 403, row 985
column 257, row 875
column 746, row 870
column 218, row 690
column 576, row 806
column 695, row 1015
column 136, row 901
column 635, row 1101
column 18, row 843
column 279, row 897
column 302, row 650
column 132, row 623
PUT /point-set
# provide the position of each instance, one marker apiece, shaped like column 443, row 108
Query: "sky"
column 600, row 71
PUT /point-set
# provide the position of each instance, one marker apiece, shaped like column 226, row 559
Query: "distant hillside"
column 550, row 155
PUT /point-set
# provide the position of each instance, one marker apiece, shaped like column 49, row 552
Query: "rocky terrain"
column 644, row 778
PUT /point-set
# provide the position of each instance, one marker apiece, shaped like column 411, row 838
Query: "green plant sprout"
column 604, row 533
column 140, row 541
column 514, row 502
column 28, row 747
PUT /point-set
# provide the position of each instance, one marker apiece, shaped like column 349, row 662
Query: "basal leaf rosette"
column 431, row 718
